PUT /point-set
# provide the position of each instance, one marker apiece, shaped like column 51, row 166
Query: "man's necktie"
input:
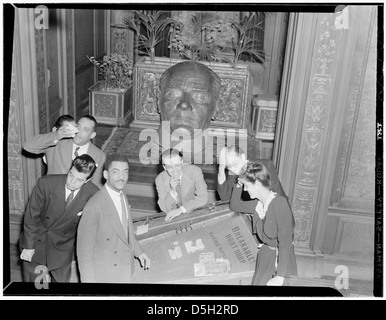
column 69, row 198
column 179, row 201
column 76, row 152
column 124, row 214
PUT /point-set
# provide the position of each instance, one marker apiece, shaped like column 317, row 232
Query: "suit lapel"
column 67, row 150
column 113, row 217
column 130, row 224
column 69, row 211
column 58, row 192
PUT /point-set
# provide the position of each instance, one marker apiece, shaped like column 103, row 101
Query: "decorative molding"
column 70, row 61
column 320, row 91
column 15, row 161
column 355, row 238
column 41, row 79
column 120, row 39
column 353, row 103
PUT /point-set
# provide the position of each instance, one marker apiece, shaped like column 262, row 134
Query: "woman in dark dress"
column 273, row 222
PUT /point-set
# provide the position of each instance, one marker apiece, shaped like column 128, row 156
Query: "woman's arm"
column 237, row 205
column 285, row 227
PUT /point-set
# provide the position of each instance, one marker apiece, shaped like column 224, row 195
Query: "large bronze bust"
column 189, row 92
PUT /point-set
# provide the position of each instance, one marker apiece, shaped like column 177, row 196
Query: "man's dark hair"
column 119, row 157
column 170, row 153
column 91, row 118
column 61, row 119
column 84, row 164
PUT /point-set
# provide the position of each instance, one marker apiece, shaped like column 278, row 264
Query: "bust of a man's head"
column 189, row 92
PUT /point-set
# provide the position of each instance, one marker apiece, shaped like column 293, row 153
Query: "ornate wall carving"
column 119, row 39
column 70, row 62
column 41, row 80
column 15, row 166
column 356, row 240
column 318, row 107
column 361, row 172
column 356, row 145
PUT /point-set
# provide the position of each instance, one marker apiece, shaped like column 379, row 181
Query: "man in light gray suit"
column 181, row 187
column 106, row 244
column 63, row 145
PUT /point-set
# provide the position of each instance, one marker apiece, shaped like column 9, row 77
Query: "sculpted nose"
column 184, row 103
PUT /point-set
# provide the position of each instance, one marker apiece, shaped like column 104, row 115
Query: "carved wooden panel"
column 354, row 173
column 109, row 106
column 318, row 107
column 52, row 68
column 15, row 166
column 84, row 35
column 355, row 239
column 70, row 65
column 41, row 80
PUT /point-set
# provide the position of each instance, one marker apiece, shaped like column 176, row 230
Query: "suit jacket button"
column 107, row 239
column 115, row 252
column 47, row 217
column 115, row 264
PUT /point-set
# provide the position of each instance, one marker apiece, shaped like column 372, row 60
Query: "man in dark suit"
column 235, row 161
column 60, row 147
column 106, row 244
column 51, row 219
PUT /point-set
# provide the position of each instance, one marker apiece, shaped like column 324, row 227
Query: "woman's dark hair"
column 61, row 119
column 257, row 171
column 84, row 164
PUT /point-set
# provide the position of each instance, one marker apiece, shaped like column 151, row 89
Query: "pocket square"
column 80, row 213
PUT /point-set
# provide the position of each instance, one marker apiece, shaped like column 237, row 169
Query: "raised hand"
column 174, row 183
column 222, row 158
column 66, row 132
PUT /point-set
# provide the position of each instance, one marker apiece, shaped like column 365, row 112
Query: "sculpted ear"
column 93, row 135
column 218, row 103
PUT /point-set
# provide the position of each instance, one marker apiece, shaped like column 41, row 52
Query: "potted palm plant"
column 243, row 42
column 148, row 27
column 204, row 36
column 110, row 98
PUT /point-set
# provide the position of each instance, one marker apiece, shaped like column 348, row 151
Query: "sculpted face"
column 188, row 99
